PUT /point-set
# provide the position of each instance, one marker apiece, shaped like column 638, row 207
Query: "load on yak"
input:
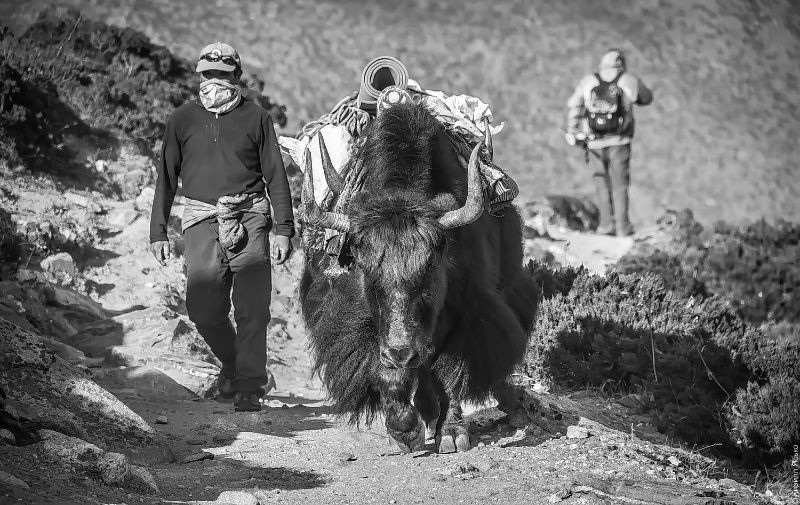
column 425, row 303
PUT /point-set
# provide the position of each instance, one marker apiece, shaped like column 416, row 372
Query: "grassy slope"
column 721, row 137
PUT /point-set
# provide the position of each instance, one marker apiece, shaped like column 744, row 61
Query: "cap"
column 218, row 56
column 614, row 58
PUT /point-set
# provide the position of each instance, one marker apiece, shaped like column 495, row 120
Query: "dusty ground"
column 294, row 451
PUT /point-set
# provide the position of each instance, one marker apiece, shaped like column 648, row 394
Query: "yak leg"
column 452, row 433
column 426, row 400
column 403, row 422
column 520, row 407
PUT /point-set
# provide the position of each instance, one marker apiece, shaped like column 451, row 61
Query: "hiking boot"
column 247, row 402
column 224, row 387
column 605, row 230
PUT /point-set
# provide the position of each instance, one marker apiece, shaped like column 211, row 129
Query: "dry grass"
column 721, row 137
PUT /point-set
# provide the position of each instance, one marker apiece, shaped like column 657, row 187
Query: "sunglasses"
column 228, row 60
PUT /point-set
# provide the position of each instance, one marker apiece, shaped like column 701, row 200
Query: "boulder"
column 78, row 456
column 62, row 350
column 59, row 263
column 122, row 217
column 47, row 391
column 144, row 202
column 572, row 212
column 195, row 375
column 149, row 383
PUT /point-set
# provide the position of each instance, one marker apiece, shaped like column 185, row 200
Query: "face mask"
column 219, row 96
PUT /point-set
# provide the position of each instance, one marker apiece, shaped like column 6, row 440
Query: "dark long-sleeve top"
column 219, row 155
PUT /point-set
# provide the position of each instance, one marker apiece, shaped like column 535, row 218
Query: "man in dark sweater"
column 225, row 151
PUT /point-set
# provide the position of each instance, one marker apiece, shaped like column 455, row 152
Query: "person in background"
column 225, row 151
column 600, row 119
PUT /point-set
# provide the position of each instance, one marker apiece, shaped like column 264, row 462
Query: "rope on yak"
column 345, row 113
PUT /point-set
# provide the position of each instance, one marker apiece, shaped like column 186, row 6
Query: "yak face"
column 400, row 248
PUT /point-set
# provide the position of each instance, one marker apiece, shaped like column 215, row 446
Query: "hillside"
column 721, row 137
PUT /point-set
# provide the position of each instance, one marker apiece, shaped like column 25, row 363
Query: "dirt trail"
column 295, row 451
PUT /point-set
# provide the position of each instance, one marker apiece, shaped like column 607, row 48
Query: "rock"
column 7, row 437
column 61, row 262
column 148, row 382
column 83, row 201
column 17, row 319
column 24, row 275
column 729, row 483
column 577, row 432
column 144, row 202
column 139, row 479
column 572, row 212
column 674, row 461
column 237, row 498
column 632, row 401
column 65, row 297
column 162, row 420
column 197, row 456
column 114, row 469
column 50, row 392
column 347, row 456
column 196, row 376
column 10, row 480
column 122, row 217
column 79, row 456
column 62, row 350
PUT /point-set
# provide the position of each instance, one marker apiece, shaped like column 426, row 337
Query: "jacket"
column 218, row 155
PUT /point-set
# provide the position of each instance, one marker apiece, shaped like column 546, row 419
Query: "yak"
column 431, row 305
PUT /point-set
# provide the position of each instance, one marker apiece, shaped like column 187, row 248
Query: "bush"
column 695, row 361
column 755, row 266
column 68, row 77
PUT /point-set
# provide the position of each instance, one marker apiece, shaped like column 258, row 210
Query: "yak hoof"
column 518, row 418
column 409, row 441
column 453, row 438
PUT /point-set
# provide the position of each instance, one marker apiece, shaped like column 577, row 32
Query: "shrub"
column 69, row 77
column 695, row 361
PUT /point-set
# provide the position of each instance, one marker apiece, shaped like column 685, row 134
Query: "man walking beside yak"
column 225, row 151
column 600, row 119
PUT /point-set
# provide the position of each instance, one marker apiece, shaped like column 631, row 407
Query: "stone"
column 147, row 381
column 10, row 480
column 237, row 498
column 7, row 437
column 574, row 432
column 162, row 420
column 144, row 202
column 62, row 350
column 67, row 298
column 25, row 275
column 196, row 376
column 122, row 217
column 52, row 393
column 347, row 456
column 114, row 469
column 674, row 461
column 197, row 456
column 141, row 480
column 59, row 263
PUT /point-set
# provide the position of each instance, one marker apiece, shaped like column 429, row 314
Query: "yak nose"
column 398, row 357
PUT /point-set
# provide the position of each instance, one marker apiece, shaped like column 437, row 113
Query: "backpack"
column 605, row 111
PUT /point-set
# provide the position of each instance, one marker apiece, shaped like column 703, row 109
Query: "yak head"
column 399, row 239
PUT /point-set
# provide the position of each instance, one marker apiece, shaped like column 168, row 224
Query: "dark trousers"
column 612, row 176
column 213, row 275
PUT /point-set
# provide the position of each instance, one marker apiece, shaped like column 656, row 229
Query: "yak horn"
column 487, row 138
column 473, row 207
column 335, row 181
column 312, row 213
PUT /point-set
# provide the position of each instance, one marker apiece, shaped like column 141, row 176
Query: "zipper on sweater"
column 216, row 131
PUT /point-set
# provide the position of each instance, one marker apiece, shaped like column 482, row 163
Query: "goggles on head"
column 215, row 57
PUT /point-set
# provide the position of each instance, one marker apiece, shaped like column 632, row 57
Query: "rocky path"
column 295, row 451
